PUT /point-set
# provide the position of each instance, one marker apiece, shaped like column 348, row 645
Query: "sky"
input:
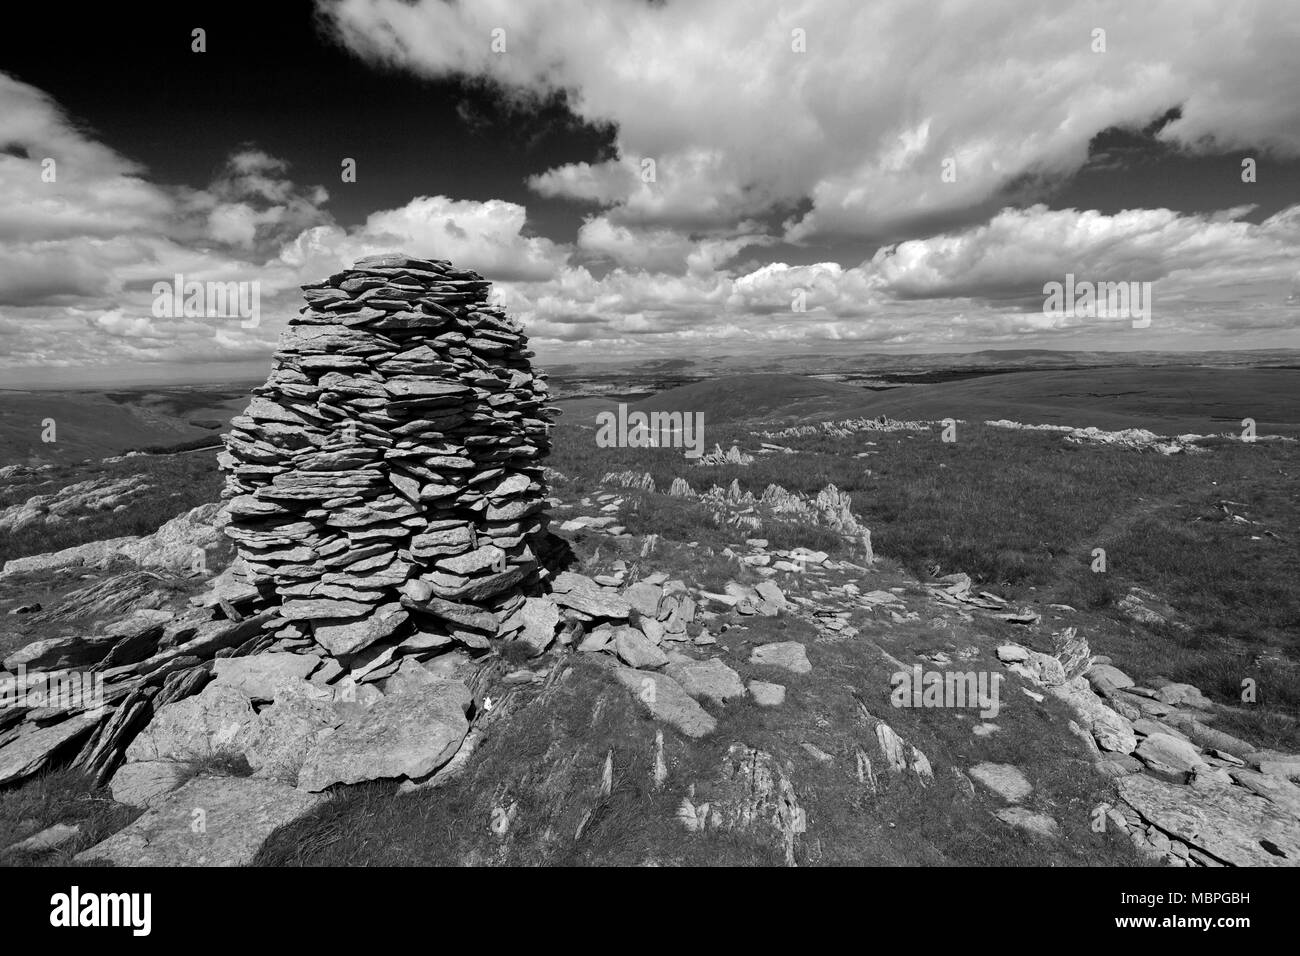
column 650, row 180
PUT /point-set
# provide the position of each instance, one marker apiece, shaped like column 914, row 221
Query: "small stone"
column 789, row 655
column 766, row 694
column 817, row 753
column 1006, row 780
column 1012, row 654
column 1038, row 824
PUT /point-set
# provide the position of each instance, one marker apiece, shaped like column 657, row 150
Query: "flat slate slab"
column 260, row 676
column 708, row 678
column 28, row 753
column 789, row 655
column 637, row 650
column 143, row 783
column 211, row 821
column 1231, row 824
column 667, row 701
column 766, row 694
column 1039, row 824
column 1004, row 779
column 410, row 734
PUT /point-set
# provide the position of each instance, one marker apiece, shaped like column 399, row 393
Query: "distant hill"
column 1167, row 400
column 95, row 424
column 849, row 360
column 1170, row 400
column 762, row 395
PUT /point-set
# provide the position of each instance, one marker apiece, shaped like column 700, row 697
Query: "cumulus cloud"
column 76, row 283
column 58, row 183
column 1009, row 258
column 489, row 237
column 253, row 204
column 667, row 250
column 80, row 252
column 738, row 121
column 1212, row 275
column 723, row 131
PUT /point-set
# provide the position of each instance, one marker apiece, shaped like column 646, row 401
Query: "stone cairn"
column 385, row 483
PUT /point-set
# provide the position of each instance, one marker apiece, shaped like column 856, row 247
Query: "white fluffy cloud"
column 666, row 250
column 738, row 122
column 1011, row 256
column 79, row 255
column 1216, row 276
column 56, row 183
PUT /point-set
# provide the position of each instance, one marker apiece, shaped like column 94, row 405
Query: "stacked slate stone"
column 392, row 463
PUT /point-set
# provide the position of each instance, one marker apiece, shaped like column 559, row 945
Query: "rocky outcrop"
column 1224, row 825
column 184, row 544
column 718, row 457
column 1191, row 795
column 752, row 794
column 1139, row 439
column 845, row 428
column 74, row 502
column 829, row 508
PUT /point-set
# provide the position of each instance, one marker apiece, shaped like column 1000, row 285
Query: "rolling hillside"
column 94, row 424
column 764, row 395
column 1170, row 400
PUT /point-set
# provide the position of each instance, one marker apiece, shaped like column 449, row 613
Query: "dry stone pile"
column 386, row 483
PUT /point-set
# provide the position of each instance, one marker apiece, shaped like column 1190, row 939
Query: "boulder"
column 406, row 735
column 1171, row 757
column 644, row 598
column 210, row 723
column 1112, row 732
column 1107, row 676
column 541, row 617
